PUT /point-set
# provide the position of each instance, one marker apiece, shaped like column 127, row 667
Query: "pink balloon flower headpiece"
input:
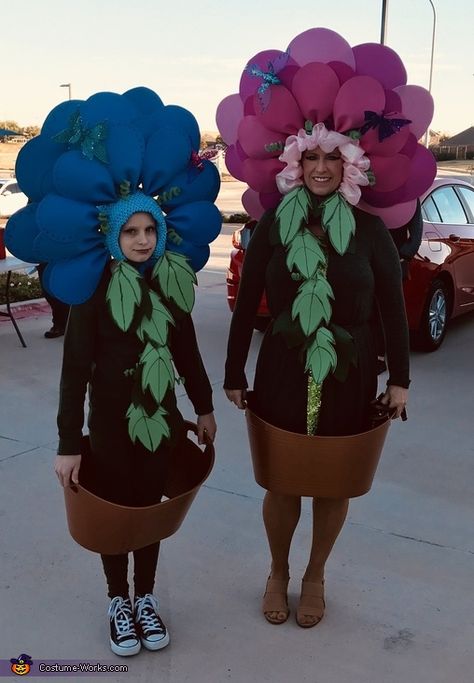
column 357, row 99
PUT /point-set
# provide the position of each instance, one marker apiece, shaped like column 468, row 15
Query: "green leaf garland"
column 133, row 304
column 339, row 222
column 305, row 253
column 307, row 259
column 157, row 371
column 312, row 304
column 176, row 279
column 154, row 327
column 292, row 212
column 124, row 294
column 321, row 356
column 149, row 430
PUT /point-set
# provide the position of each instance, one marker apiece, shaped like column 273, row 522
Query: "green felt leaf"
column 177, row 279
column 157, row 371
column 150, row 430
column 292, row 212
column 312, row 304
column 124, row 294
column 339, row 222
column 155, row 326
column 321, row 357
column 305, row 253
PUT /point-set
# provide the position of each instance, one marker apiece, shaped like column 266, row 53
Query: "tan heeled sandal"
column 275, row 599
column 311, row 603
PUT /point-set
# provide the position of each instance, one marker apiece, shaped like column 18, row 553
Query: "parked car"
column 11, row 197
column 440, row 282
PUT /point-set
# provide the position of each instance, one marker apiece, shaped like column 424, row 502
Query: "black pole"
column 383, row 25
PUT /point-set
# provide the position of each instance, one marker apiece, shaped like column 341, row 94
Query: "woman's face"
column 138, row 237
column 322, row 171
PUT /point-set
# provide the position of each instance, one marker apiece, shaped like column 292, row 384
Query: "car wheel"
column 261, row 323
column 434, row 320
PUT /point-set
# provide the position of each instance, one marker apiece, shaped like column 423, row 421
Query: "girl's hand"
column 67, row 469
column 395, row 397
column 237, row 396
column 207, row 428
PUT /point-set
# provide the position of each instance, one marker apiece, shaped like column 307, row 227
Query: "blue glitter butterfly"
column 90, row 140
column 268, row 77
column 387, row 127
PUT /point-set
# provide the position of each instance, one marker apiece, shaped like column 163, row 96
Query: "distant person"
column 59, row 309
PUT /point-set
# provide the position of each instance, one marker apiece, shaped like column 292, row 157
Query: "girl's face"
column 138, row 237
column 322, row 171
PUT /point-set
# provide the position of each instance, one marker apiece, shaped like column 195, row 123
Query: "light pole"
column 427, row 135
column 68, row 86
column 383, row 23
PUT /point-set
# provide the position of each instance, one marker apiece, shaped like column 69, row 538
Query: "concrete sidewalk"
column 399, row 582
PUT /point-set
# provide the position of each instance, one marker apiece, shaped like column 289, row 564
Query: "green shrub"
column 22, row 287
column 235, row 217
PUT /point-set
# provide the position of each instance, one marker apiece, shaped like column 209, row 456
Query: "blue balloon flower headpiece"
column 87, row 152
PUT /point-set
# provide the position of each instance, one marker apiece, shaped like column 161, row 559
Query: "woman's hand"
column 207, row 428
column 67, row 469
column 395, row 397
column 237, row 396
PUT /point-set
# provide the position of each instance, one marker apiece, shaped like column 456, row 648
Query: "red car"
column 440, row 281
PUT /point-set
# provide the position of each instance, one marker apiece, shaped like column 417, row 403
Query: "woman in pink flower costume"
column 325, row 136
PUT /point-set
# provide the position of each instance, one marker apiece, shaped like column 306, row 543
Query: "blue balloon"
column 198, row 222
column 83, row 179
column 66, row 220
column 75, row 280
column 59, row 118
column 34, row 166
column 21, row 232
column 167, row 153
column 107, row 106
column 191, row 185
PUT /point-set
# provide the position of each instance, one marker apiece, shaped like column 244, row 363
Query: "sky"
column 192, row 52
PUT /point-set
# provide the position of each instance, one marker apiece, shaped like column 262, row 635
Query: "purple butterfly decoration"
column 268, row 78
column 386, row 126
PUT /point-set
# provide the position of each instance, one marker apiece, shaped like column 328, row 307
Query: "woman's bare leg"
column 329, row 515
column 280, row 516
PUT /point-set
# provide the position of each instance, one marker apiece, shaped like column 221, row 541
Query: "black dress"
column 98, row 354
column 369, row 271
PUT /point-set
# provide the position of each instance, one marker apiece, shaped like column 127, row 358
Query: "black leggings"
column 116, row 571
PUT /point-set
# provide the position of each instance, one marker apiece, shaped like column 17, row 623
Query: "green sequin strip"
column 313, row 405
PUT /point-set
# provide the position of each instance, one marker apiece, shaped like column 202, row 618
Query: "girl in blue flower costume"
column 120, row 176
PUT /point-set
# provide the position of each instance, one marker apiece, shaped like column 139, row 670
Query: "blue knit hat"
column 113, row 216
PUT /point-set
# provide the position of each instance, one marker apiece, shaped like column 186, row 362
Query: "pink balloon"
column 229, row 113
column 252, row 205
column 255, row 139
column 270, row 200
column 393, row 216
column 390, row 173
column 320, row 45
column 410, row 147
column 380, row 62
column 422, row 173
column 234, row 163
column 355, row 97
column 392, row 102
column 282, row 113
column 315, row 87
column 260, row 174
column 249, row 84
column 388, row 146
column 342, row 71
column 418, row 106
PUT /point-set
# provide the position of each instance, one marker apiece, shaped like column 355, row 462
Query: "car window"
column 13, row 187
column 449, row 207
column 429, row 211
column 468, row 195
